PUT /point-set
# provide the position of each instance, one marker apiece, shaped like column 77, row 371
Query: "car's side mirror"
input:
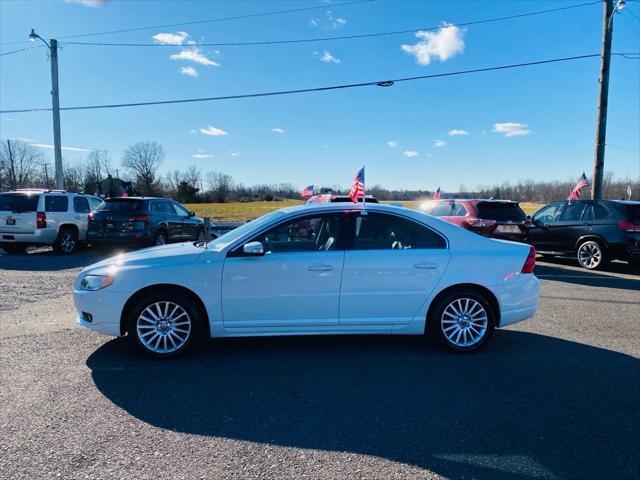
column 254, row 249
column 192, row 213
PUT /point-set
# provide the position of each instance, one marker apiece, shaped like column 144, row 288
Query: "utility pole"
column 603, row 99
column 46, row 176
column 55, row 104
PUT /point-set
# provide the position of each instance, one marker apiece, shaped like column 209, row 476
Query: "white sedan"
column 315, row 269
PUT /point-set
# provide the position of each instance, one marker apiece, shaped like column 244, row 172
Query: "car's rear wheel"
column 465, row 320
column 590, row 255
column 163, row 324
column 13, row 249
column 160, row 238
column 66, row 242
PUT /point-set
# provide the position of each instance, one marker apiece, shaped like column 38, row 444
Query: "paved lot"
column 555, row 397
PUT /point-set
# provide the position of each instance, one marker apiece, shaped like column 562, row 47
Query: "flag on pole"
column 436, row 194
column 357, row 189
column 574, row 194
column 307, row 191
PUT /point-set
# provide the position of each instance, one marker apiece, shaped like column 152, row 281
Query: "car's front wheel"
column 163, row 324
column 160, row 238
column 465, row 320
column 590, row 255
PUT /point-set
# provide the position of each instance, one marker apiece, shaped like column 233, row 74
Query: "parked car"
column 331, row 198
column 317, row 269
column 492, row 218
column 143, row 221
column 592, row 231
column 34, row 217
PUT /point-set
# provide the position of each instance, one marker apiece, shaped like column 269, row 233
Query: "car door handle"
column 429, row 265
column 320, row 268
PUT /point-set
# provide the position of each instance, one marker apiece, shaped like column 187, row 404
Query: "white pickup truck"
column 31, row 217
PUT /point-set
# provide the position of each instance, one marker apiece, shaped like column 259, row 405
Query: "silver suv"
column 44, row 217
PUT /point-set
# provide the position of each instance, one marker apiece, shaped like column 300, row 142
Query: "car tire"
column 464, row 319
column 591, row 255
column 160, row 238
column 66, row 242
column 14, row 249
column 200, row 235
column 164, row 323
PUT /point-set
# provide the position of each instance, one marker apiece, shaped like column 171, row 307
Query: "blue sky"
column 535, row 122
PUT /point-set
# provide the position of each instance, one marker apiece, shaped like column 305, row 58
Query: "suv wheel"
column 590, row 255
column 67, row 241
column 160, row 238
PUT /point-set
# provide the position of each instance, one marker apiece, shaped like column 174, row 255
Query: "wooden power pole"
column 603, row 100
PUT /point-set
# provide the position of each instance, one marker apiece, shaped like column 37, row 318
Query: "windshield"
column 228, row 238
column 18, row 202
column 501, row 212
column 120, row 206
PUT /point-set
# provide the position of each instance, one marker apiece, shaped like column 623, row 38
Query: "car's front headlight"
column 95, row 282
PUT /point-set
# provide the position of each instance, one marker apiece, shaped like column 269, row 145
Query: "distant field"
column 243, row 211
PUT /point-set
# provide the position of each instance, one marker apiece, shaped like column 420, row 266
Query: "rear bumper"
column 518, row 298
column 136, row 236
column 41, row 236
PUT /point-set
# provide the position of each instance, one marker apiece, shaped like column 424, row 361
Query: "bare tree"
column 220, row 185
column 96, row 169
column 18, row 161
column 74, row 177
column 143, row 160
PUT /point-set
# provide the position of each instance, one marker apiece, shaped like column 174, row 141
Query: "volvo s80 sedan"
column 317, row 269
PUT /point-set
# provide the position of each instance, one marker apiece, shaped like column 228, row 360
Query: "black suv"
column 594, row 231
column 143, row 220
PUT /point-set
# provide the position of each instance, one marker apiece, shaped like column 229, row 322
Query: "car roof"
column 345, row 206
column 475, row 200
column 138, row 198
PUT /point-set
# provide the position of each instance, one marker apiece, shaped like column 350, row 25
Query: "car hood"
column 181, row 253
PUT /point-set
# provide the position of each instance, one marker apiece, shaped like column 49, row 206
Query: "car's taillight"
column 41, row 220
column 530, row 263
column 479, row 222
column 628, row 226
column 90, row 217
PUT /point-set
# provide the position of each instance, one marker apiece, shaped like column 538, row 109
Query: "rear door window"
column 18, row 202
column 81, row 205
column 501, row 211
column 377, row 231
column 56, row 203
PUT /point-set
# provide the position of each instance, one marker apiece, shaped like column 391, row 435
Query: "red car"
column 491, row 218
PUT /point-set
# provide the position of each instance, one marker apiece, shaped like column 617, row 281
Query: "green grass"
column 243, row 211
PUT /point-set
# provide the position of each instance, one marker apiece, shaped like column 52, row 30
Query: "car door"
column 569, row 226
column 542, row 233
column 174, row 221
column 392, row 265
column 295, row 284
column 189, row 223
column 81, row 209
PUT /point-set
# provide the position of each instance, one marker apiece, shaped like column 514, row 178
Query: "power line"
column 383, row 83
column 20, row 50
column 210, row 20
column 342, row 37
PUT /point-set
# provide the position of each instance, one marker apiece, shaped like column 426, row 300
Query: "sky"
column 479, row 129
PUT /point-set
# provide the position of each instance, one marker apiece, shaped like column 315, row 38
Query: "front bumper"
column 105, row 308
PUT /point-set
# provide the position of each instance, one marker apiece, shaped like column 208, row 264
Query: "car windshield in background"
column 18, row 202
column 121, row 206
column 501, row 212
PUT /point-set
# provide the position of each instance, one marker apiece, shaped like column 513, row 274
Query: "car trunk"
column 510, row 220
column 18, row 212
column 118, row 215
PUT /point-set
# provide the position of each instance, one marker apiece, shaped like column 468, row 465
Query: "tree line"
column 22, row 165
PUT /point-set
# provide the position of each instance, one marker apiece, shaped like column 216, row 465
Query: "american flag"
column 357, row 189
column 436, row 194
column 307, row 191
column 574, row 194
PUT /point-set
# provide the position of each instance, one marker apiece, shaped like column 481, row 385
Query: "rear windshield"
column 501, row 211
column 18, row 202
column 121, row 206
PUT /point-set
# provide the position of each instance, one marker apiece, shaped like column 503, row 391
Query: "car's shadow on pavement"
column 527, row 406
column 46, row 260
column 609, row 277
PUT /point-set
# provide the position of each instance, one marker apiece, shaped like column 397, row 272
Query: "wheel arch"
column 591, row 237
column 168, row 286
column 484, row 291
column 69, row 226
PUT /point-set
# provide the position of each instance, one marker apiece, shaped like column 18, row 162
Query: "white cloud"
column 456, row 132
column 203, row 155
column 439, row 143
column 88, row 3
column 410, row 153
column 328, row 58
column 234, row 154
column 314, row 22
column 213, row 131
column 51, row 147
column 330, row 23
column 190, row 71
column 277, row 130
column 511, row 129
column 392, row 143
column 341, row 21
column 23, row 139
column 443, row 44
column 194, row 55
column 171, row 38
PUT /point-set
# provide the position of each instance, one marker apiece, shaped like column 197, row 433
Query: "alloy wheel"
column 67, row 242
column 464, row 322
column 161, row 239
column 590, row 255
column 163, row 327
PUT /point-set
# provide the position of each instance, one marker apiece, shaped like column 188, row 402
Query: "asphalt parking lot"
column 552, row 398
